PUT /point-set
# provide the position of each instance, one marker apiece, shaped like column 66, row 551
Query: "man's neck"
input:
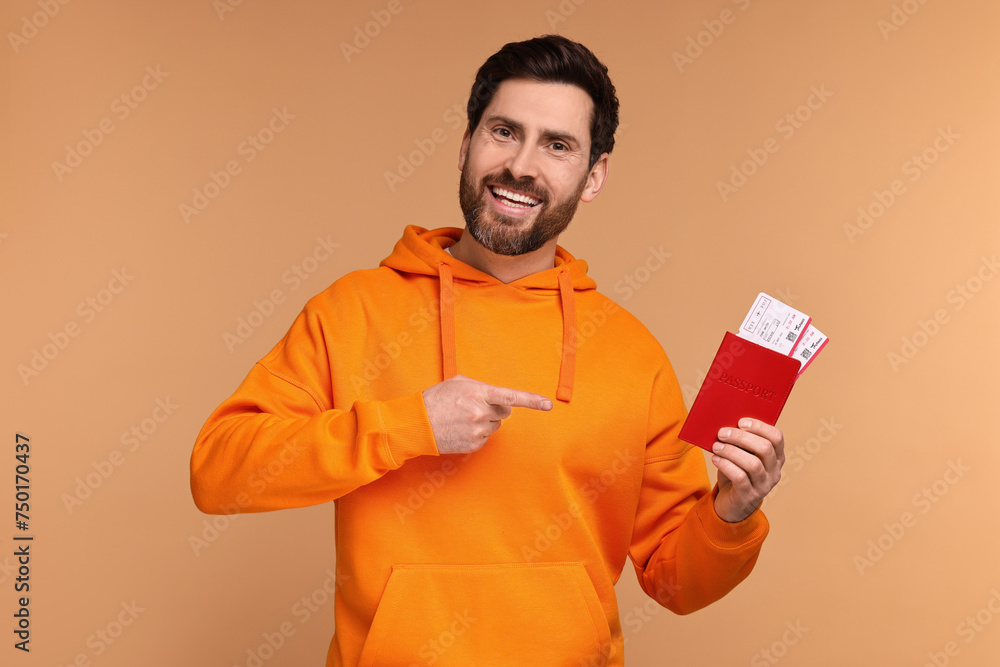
column 505, row 268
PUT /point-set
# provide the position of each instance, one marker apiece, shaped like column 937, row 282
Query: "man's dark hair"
column 554, row 59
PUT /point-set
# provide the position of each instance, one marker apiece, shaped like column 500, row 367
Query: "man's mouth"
column 513, row 199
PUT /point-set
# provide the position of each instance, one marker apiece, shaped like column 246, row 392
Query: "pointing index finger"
column 516, row 398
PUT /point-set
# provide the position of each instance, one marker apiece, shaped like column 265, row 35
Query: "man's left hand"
column 749, row 460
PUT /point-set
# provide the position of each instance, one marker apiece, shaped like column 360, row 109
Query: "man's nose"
column 523, row 163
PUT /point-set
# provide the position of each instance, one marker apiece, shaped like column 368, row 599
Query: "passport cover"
column 745, row 380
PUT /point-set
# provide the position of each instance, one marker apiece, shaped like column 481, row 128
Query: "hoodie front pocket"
column 496, row 614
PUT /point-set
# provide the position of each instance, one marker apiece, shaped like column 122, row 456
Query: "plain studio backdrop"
column 181, row 177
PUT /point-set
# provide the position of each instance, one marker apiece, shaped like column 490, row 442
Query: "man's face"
column 525, row 166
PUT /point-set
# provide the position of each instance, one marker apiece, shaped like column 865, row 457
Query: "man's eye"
column 559, row 146
column 503, row 131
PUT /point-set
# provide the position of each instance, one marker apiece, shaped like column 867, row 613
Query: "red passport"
column 745, row 380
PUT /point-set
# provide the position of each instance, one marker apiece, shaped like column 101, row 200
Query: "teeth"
column 514, row 196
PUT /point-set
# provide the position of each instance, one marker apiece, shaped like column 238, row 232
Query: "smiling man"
column 517, row 197
column 498, row 436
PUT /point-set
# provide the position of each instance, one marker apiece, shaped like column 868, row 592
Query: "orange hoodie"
column 509, row 555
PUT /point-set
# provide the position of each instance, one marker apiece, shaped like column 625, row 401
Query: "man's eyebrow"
column 549, row 135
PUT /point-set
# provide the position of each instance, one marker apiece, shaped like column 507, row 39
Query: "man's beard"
column 502, row 234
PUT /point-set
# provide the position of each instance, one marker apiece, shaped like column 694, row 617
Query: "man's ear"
column 596, row 178
column 463, row 151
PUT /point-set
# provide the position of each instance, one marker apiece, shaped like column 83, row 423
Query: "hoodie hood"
column 422, row 251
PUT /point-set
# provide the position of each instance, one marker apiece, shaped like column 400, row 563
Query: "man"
column 479, row 521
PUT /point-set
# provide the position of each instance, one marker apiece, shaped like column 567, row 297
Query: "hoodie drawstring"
column 567, row 364
column 447, row 315
column 567, row 361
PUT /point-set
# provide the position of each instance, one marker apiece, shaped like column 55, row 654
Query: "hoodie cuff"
column 726, row 535
column 407, row 428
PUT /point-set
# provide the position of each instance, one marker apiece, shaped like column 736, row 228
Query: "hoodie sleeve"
column 685, row 556
column 277, row 442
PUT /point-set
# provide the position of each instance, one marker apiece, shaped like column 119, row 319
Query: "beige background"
column 898, row 429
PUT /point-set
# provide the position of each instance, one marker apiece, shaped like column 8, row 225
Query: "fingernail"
column 746, row 423
column 546, row 404
column 725, row 433
column 717, row 447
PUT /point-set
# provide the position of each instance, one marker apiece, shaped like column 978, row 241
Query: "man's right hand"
column 464, row 412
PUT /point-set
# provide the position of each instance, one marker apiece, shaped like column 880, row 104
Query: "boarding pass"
column 777, row 326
